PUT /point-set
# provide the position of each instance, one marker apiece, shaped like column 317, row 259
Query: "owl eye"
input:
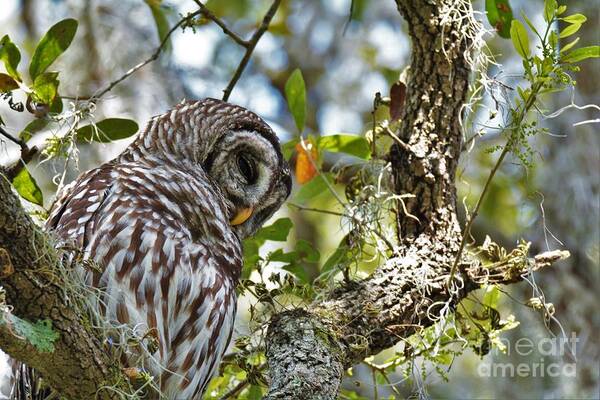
column 247, row 168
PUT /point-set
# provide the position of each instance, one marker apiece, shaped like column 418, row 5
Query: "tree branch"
column 34, row 292
column 250, row 45
column 408, row 292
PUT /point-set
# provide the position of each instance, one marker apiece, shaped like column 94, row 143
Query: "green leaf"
column 280, row 256
column 518, row 35
column 550, row 7
column 307, row 252
column 108, row 130
column 45, row 87
column 568, row 46
column 287, row 149
column 581, row 54
column 32, row 128
column 350, row 144
column 298, row 272
column 11, row 56
column 40, row 335
column 160, row 20
column 295, row 93
column 53, row 44
column 499, row 14
column 7, row 83
column 314, row 188
column 335, row 259
column 575, row 19
column 278, row 231
column 569, row 30
column 491, row 296
column 28, row 188
column 561, row 10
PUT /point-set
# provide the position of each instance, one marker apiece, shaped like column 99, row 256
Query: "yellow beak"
column 241, row 216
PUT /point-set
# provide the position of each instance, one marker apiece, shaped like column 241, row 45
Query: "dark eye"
column 247, row 168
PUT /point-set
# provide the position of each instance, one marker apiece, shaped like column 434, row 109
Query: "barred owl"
column 164, row 221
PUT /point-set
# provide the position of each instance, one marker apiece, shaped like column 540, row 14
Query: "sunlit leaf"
column 287, row 149
column 27, row 187
column 566, row 47
column 53, row 44
column 295, row 93
column 45, row 87
column 108, row 130
column 491, row 296
column 305, row 169
column 569, row 30
column 550, row 7
column 499, row 14
column 350, row 144
column 10, row 55
column 581, row 54
column 575, row 19
column 518, row 35
column 7, row 83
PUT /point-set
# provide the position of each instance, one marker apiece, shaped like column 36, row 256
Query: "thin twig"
column 235, row 390
column 251, row 44
column 153, row 57
column 505, row 150
column 209, row 15
column 27, row 154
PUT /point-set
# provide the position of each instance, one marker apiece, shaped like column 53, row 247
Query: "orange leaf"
column 305, row 168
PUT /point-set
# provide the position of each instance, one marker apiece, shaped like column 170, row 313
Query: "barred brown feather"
column 156, row 220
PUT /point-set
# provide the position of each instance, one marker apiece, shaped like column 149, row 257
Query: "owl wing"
column 73, row 213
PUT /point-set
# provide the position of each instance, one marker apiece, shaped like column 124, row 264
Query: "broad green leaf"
column 550, row 7
column 295, row 93
column 32, row 128
column 57, row 105
column 28, row 188
column 11, row 56
column 307, row 252
column 280, row 256
column 336, row 258
column 518, row 35
column 45, row 87
column 108, row 130
column 499, row 14
column 278, row 231
column 581, row 54
column 350, row 144
column 298, row 272
column 561, row 9
column 40, row 335
column 53, row 44
column 491, row 296
column 568, row 46
column 575, row 19
column 162, row 24
column 7, row 83
column 569, row 30
column 314, row 188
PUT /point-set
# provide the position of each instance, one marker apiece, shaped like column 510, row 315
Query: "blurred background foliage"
column 347, row 52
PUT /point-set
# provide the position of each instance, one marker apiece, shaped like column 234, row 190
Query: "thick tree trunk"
column 78, row 366
column 306, row 351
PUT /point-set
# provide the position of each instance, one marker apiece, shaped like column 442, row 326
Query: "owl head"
column 236, row 149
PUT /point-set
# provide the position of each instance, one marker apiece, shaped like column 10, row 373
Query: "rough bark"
column 79, row 366
column 369, row 316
